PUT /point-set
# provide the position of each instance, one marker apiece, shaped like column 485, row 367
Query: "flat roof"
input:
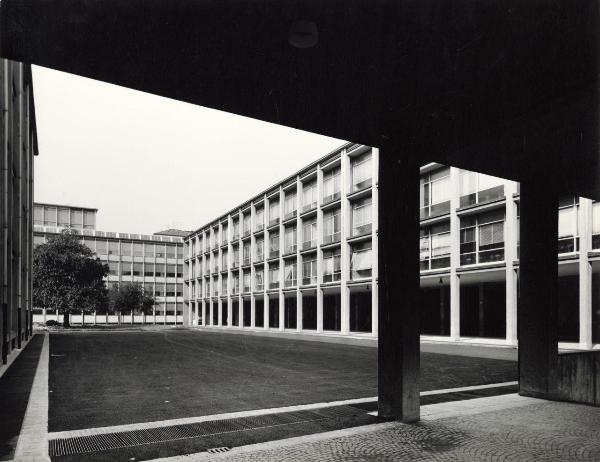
column 65, row 206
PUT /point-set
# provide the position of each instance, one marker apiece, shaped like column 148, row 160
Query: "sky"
column 149, row 163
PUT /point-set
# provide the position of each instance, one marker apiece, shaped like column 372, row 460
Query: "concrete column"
column 219, row 312
column 319, row 292
column 345, row 180
column 298, row 310
column 454, row 253
column 585, row 273
column 399, row 349
column 511, row 233
column 241, row 306
column 375, row 244
column 281, row 299
column 44, row 315
column 538, row 311
column 229, row 309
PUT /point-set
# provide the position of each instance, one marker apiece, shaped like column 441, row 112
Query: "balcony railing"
column 274, row 285
column 246, row 289
column 329, row 239
column 246, row 232
column 246, row 260
column 236, row 236
column 260, row 256
column 259, row 287
column 274, row 221
column 332, row 277
column 361, row 273
column 331, row 198
column 260, row 226
column 309, row 245
column 307, row 207
column 362, row 229
column 235, row 264
column 289, row 215
column 274, row 253
column 290, row 249
column 290, row 282
column 363, row 184
column 308, row 280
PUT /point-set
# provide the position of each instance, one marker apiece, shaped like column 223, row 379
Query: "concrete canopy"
column 500, row 86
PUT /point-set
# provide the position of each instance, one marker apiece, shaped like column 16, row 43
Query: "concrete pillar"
column 281, row 310
column 399, row 348
column 585, row 273
column 320, row 229
column 298, row 310
column 538, row 311
column 454, row 254
column 374, row 238
column 345, row 181
column 511, row 233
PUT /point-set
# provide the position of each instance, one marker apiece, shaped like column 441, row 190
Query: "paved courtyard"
column 113, row 378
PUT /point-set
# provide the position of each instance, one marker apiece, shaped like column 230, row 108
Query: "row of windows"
column 104, row 247
column 144, row 269
column 65, row 217
column 361, row 172
column 360, row 268
column 158, row 290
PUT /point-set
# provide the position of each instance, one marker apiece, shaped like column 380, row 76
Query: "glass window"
column 476, row 188
column 361, row 217
column 113, row 268
column 224, row 285
column 361, row 172
column 331, row 226
column 309, row 196
column 260, row 249
column 90, row 243
column 149, row 270
column 101, row 247
column 360, row 261
column 567, row 225
column 77, row 218
column 596, row 225
column 482, row 238
column 259, row 218
column 225, row 234
column 289, row 205
column 332, row 265
column 309, row 234
column 159, row 290
column 331, row 185
column 138, row 249
column 215, row 286
column 113, row 247
column 290, row 239
column 217, row 234
column 259, row 279
column 159, row 270
column 236, row 228
column 50, row 218
column 246, row 253
column 89, row 219
column 309, row 269
column 434, row 249
column 435, row 193
column 38, row 215
column 273, row 275
column 160, row 251
column 273, row 211
column 179, row 270
column 149, row 250
column 171, row 252
column 290, row 273
column 246, row 281
column 138, row 269
column 179, row 249
column 224, row 261
column 126, row 248
column 170, row 292
column 273, row 244
column 63, row 217
column 126, row 268
column 236, row 256
column 246, row 224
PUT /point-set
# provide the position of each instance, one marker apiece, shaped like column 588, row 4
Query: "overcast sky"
column 149, row 163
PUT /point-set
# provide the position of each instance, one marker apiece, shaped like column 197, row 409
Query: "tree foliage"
column 129, row 296
column 67, row 276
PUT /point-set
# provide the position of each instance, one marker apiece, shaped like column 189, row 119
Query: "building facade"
column 302, row 256
column 18, row 146
column 155, row 261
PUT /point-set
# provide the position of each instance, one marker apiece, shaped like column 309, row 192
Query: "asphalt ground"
column 103, row 379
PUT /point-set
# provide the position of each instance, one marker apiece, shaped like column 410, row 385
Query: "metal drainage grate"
column 106, row 441
column 218, row 450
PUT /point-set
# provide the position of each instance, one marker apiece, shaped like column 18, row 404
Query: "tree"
column 67, row 276
column 130, row 296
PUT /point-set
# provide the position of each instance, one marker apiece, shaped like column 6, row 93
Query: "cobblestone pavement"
column 532, row 431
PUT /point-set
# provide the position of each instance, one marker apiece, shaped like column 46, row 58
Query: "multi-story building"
column 18, row 139
column 155, row 261
column 302, row 256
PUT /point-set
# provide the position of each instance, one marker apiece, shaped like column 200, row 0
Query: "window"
column 77, row 218
column 236, row 228
column 224, row 285
column 434, row 248
column 159, row 270
column 149, row 270
column 236, row 256
column 170, row 292
column 259, row 218
column 246, row 281
column 331, row 226
column 289, row 239
column 37, row 240
column 596, row 225
column 160, row 251
column 361, row 217
column 259, row 279
column 113, row 268
column 361, row 172
column 215, row 286
column 477, row 188
column 179, row 249
column 260, row 249
column 138, row 269
column 38, row 215
column 332, row 265
column 331, row 185
column 126, row 268
column 138, row 249
column 224, row 261
column 309, row 234
column 482, row 238
column 567, row 225
column 289, row 204
column 199, row 246
column 179, row 271
column 273, row 275
column 246, row 253
column 225, row 234
column 214, row 264
column 63, row 217
column 207, row 265
column 246, row 224
column 360, row 261
column 290, row 273
column 217, row 239
column 236, row 284
column 435, row 193
column 50, row 216
column 309, row 196
column 89, row 219
column 171, row 253
column 273, row 212
column 309, row 269
column 170, row 271
column 159, row 290
column 149, row 250
column 101, row 247
column 273, row 245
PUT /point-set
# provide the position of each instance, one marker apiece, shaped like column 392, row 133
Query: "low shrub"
column 52, row 323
